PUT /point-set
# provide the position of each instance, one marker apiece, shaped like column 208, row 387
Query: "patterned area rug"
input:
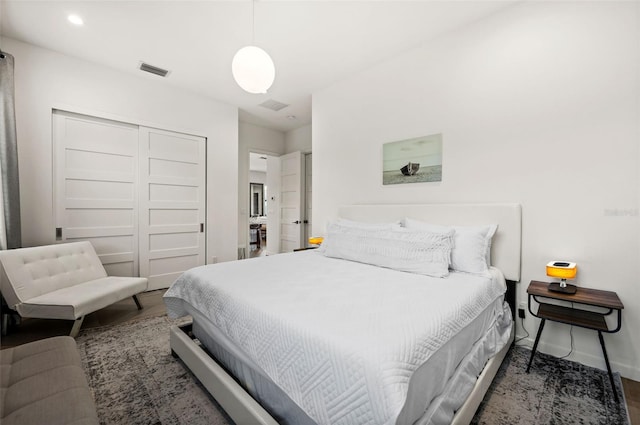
column 135, row 380
column 555, row 391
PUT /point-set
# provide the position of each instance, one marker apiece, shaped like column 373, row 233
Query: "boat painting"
column 417, row 160
column 410, row 169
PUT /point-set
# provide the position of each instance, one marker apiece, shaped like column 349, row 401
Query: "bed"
column 320, row 339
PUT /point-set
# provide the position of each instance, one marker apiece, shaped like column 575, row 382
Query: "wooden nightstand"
column 575, row 316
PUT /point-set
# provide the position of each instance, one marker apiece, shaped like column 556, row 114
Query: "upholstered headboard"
column 506, row 247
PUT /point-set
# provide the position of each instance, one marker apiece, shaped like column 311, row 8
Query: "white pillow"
column 415, row 251
column 361, row 225
column 471, row 251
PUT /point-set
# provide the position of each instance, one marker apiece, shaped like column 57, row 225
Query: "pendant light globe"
column 253, row 69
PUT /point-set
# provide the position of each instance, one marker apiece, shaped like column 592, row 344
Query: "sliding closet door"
column 137, row 194
column 172, row 205
column 96, row 199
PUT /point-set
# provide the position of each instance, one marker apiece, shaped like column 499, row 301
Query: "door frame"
column 245, row 195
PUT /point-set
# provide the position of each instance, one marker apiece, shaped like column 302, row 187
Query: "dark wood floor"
column 120, row 312
column 632, row 394
column 123, row 311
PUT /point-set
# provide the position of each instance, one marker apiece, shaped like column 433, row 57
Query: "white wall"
column 298, row 140
column 258, row 139
column 257, row 177
column 45, row 79
column 537, row 105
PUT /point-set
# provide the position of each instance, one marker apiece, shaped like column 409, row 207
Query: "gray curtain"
column 9, row 154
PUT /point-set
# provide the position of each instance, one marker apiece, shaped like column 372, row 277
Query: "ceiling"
column 313, row 43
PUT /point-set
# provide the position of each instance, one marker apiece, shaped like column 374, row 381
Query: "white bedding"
column 342, row 339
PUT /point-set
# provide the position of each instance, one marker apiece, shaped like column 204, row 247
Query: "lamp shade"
column 562, row 269
column 253, row 69
column 317, row 240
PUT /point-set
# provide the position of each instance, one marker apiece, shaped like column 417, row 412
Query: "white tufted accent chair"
column 63, row 281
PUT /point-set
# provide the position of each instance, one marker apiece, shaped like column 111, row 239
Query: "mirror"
column 256, row 199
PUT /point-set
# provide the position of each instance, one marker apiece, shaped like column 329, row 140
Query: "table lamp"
column 563, row 270
column 317, row 240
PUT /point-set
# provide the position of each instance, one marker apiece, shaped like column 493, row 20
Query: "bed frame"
column 505, row 254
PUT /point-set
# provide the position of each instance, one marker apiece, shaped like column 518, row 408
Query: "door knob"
column 296, row 222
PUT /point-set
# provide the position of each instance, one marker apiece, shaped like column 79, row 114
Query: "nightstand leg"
column 606, row 360
column 535, row 344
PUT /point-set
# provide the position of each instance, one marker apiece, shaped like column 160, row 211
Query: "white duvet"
column 342, row 339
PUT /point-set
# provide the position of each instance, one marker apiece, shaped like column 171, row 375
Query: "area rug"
column 135, row 380
column 555, row 391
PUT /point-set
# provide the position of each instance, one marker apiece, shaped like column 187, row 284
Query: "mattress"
column 348, row 343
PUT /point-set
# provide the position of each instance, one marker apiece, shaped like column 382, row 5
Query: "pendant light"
column 252, row 67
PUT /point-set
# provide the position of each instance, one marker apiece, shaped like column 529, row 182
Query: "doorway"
column 278, row 203
column 263, row 220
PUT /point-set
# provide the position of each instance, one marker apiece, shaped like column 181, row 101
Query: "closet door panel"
column 136, row 193
column 95, row 189
column 172, row 205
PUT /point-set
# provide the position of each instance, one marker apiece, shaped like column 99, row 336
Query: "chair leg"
column 135, row 298
column 5, row 323
column 76, row 327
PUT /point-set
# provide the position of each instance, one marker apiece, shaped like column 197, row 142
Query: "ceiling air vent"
column 153, row 69
column 274, row 105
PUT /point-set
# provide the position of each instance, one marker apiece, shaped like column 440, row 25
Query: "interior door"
column 308, row 184
column 172, row 205
column 273, row 204
column 95, row 187
column 291, row 202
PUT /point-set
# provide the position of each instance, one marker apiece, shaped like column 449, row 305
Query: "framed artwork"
column 414, row 160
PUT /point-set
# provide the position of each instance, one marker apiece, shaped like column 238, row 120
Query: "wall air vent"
column 274, row 105
column 153, row 69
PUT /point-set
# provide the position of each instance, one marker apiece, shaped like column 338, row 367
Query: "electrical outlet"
column 522, row 308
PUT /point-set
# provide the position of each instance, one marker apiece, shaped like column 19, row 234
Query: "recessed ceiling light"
column 75, row 20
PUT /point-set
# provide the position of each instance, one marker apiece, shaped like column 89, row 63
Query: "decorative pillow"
column 471, row 251
column 415, row 251
column 362, row 225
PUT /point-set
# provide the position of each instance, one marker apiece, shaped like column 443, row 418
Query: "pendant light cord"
column 2, row 55
column 253, row 22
